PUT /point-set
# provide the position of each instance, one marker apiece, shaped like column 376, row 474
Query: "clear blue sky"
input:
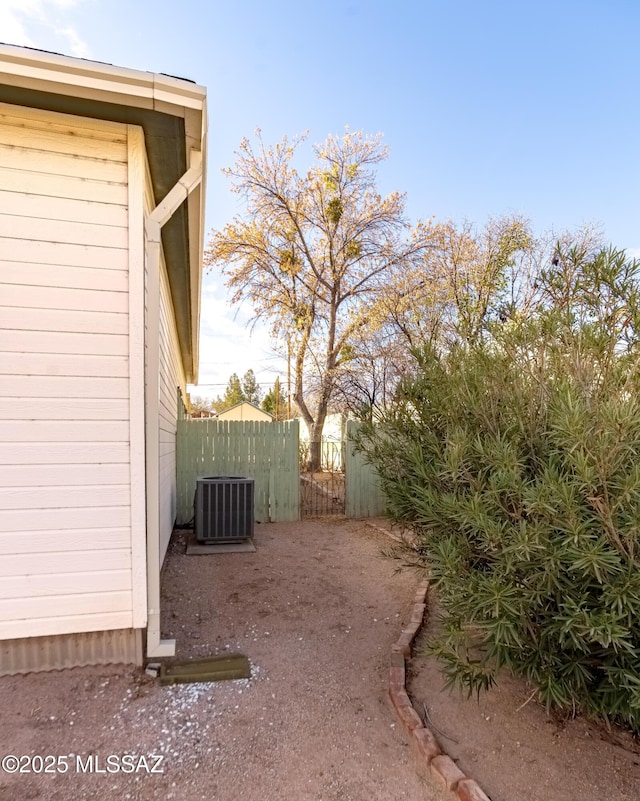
column 487, row 107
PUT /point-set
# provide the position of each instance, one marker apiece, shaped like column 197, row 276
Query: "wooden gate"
column 322, row 491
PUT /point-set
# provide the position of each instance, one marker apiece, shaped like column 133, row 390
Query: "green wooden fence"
column 363, row 496
column 266, row 452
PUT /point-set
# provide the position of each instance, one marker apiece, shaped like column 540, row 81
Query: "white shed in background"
column 246, row 411
column 101, row 233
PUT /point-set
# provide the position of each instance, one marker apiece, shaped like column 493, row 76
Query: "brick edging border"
column 423, row 741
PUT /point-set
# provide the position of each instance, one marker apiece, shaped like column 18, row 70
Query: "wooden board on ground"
column 212, row 668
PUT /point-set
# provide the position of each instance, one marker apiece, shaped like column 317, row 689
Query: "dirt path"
column 315, row 609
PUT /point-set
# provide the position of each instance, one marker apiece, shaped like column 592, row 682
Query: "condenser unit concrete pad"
column 195, row 548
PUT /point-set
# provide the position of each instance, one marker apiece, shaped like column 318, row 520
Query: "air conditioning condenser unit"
column 223, row 507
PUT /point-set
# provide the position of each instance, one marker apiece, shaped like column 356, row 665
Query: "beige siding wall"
column 65, row 506
column 171, row 377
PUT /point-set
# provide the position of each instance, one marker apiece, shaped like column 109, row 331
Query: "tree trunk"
column 315, row 444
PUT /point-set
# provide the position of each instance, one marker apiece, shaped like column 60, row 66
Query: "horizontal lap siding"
column 171, row 377
column 65, row 506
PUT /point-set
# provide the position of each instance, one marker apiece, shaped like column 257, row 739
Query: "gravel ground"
column 315, row 609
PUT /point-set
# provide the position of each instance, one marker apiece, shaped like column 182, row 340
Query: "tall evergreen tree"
column 250, row 388
column 275, row 402
column 233, row 394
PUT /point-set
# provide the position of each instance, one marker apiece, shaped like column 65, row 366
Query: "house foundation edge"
column 60, row 651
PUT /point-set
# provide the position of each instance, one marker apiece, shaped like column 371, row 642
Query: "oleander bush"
column 516, row 460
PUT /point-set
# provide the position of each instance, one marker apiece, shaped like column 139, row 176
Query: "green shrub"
column 516, row 460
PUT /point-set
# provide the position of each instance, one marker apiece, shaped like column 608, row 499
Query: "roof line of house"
column 133, row 87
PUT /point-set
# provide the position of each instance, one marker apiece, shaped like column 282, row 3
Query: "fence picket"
column 363, row 496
